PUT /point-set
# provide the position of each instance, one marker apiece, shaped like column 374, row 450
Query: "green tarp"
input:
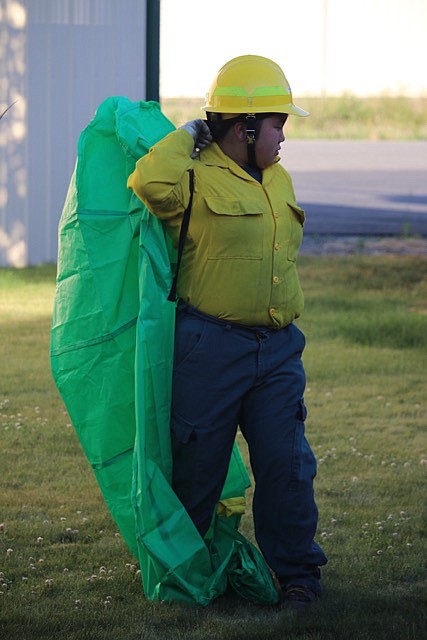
column 111, row 357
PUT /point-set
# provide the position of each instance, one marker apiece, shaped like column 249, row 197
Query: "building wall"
column 59, row 60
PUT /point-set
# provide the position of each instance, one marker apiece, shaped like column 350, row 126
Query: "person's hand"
column 200, row 131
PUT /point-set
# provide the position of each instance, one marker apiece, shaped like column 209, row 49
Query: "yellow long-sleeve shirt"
column 239, row 261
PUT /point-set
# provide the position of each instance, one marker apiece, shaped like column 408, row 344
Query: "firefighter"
column 238, row 352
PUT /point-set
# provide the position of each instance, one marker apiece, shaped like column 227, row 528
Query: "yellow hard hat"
column 251, row 84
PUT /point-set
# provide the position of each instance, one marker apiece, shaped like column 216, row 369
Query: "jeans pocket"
column 182, row 431
column 304, row 466
column 189, row 335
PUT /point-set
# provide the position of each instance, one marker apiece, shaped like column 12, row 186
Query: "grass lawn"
column 65, row 572
column 344, row 117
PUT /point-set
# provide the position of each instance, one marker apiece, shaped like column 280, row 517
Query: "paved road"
column 360, row 188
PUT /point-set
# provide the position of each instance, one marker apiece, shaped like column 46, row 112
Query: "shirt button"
column 276, row 215
column 276, row 279
column 276, row 246
column 272, row 311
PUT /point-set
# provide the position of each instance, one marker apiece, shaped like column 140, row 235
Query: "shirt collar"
column 214, row 156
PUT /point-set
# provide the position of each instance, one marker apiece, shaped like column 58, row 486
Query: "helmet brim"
column 290, row 109
column 297, row 111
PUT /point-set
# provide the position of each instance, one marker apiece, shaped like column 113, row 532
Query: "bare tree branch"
column 9, row 107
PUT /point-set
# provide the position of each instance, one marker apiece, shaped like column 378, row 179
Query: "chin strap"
column 250, row 121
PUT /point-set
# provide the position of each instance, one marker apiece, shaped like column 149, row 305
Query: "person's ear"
column 240, row 131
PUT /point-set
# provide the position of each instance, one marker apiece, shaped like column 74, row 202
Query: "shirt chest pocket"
column 234, row 229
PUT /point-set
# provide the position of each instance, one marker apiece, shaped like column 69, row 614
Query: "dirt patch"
column 348, row 245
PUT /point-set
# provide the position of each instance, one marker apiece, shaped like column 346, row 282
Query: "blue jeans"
column 227, row 375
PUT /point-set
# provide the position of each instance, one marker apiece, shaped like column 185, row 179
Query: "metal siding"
column 75, row 54
column 39, row 107
column 13, row 139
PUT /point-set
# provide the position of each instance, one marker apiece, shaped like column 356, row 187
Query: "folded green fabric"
column 112, row 355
